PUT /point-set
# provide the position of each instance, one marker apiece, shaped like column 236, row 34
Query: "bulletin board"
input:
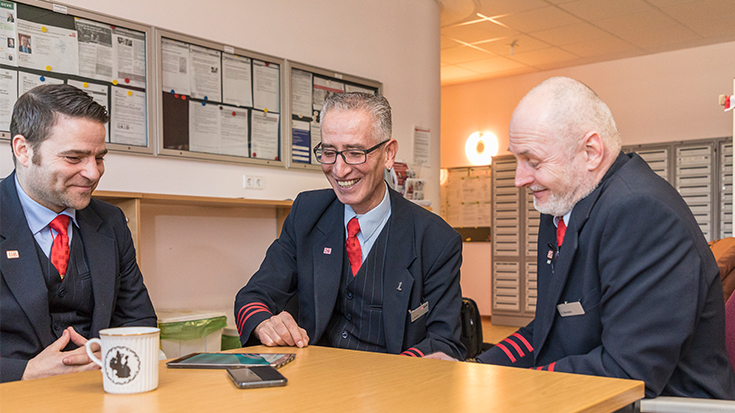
column 309, row 86
column 219, row 102
column 466, row 198
column 44, row 43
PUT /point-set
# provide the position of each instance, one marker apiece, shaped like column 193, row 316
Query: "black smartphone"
column 258, row 376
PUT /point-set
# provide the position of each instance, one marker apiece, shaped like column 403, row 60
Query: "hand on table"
column 53, row 361
column 281, row 330
column 440, row 356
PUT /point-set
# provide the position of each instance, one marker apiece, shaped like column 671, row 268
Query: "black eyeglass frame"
column 318, row 149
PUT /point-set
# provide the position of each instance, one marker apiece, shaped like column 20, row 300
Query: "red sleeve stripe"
column 507, row 352
column 247, row 307
column 551, row 366
column 417, row 351
column 250, row 309
column 408, row 353
column 540, row 368
column 242, row 323
column 413, row 352
column 515, row 346
column 523, row 340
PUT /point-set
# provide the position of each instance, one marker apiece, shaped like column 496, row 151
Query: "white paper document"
column 45, row 47
column 129, row 57
column 353, row 88
column 234, row 131
column 206, row 69
column 421, row 146
column 265, row 135
column 204, row 127
column 99, row 94
column 8, row 40
column 175, row 66
column 237, row 78
column 128, row 124
column 301, row 88
column 27, row 81
column 8, row 96
column 95, row 49
column 323, row 88
column 266, row 86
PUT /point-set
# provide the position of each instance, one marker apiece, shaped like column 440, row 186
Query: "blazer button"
column 57, row 326
column 348, row 317
column 349, row 296
column 344, row 334
column 62, row 293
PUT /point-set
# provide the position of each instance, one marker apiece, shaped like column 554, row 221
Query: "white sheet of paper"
column 27, row 81
column 266, row 86
column 237, row 77
column 234, row 131
column 421, row 146
column 204, row 129
column 95, row 49
column 128, row 123
column 46, row 47
column 301, row 88
column 8, row 39
column 206, row 69
column 322, row 88
column 99, row 94
column 264, row 143
column 129, row 62
column 8, row 96
column 352, row 88
column 175, row 66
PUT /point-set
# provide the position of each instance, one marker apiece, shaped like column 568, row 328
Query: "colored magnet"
column 42, row 78
column 114, row 82
column 48, row 68
column 176, row 95
column 127, row 80
column 265, row 110
column 233, row 113
column 276, row 158
column 204, row 103
column 206, row 98
column 173, row 93
column 44, row 29
column 85, row 84
column 183, row 97
column 130, row 93
column 254, row 154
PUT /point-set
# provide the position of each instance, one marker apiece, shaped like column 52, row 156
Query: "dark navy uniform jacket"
column 635, row 259
column 424, row 255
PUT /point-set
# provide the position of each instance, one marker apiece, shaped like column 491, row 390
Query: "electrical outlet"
column 253, row 182
column 259, row 182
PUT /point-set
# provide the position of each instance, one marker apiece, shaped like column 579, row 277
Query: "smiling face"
column 360, row 186
column 65, row 168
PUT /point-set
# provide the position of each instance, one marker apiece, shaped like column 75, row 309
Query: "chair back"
column 730, row 329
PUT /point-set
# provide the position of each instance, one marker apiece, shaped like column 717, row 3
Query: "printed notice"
column 237, row 80
column 205, row 73
column 129, row 62
column 47, row 48
column 266, row 86
column 265, row 134
column 203, row 127
column 95, row 49
column 175, row 67
column 27, row 81
column 300, row 141
column 8, row 45
column 323, row 88
column 421, row 146
column 301, row 93
column 128, row 124
column 8, row 96
column 234, row 131
column 99, row 94
column 353, row 88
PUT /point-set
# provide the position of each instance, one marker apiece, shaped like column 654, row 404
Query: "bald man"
column 627, row 285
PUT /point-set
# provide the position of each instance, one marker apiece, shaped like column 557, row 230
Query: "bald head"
column 568, row 109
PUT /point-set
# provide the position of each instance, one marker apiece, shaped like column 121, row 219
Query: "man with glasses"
column 370, row 270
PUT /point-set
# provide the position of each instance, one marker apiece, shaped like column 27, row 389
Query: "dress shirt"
column 371, row 223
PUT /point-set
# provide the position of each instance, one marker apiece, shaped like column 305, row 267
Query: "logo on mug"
column 123, row 365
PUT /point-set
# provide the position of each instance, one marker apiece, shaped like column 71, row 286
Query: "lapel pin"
column 399, row 286
column 327, row 251
column 12, row 254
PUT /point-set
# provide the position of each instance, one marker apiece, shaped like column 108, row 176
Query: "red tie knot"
column 561, row 229
column 60, row 224
column 353, row 227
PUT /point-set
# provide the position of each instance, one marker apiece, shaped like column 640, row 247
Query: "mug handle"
column 91, row 355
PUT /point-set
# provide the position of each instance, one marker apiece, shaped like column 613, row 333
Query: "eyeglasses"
column 350, row 156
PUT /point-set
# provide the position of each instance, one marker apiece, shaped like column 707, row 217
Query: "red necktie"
column 561, row 229
column 60, row 247
column 354, row 253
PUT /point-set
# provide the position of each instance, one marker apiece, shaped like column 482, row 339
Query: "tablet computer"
column 230, row 360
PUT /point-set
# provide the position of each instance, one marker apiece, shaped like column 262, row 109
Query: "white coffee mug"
column 129, row 358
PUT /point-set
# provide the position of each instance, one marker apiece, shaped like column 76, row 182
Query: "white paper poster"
column 301, row 88
column 99, row 94
column 45, row 47
column 205, row 72
column 95, row 49
column 266, row 86
column 265, row 134
column 175, row 67
column 237, row 77
column 204, row 127
column 234, row 131
column 129, row 62
column 128, row 123
column 322, row 89
column 27, row 81
column 421, row 146
column 8, row 96
column 8, row 41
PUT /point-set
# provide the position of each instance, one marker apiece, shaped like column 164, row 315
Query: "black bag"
column 471, row 322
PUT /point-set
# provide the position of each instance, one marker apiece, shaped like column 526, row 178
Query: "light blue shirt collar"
column 38, row 218
column 371, row 222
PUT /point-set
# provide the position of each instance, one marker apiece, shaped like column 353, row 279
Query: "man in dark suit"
column 67, row 262
column 627, row 285
column 372, row 271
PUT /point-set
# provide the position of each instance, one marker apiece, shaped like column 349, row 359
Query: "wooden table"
column 325, row 379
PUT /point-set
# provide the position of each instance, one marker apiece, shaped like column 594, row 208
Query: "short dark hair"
column 38, row 110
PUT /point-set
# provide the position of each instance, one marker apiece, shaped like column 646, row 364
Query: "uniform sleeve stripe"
column 413, row 352
column 551, row 366
column 408, row 353
column 515, row 346
column 507, row 352
column 540, row 368
column 255, row 310
column 247, row 307
column 417, row 351
column 523, row 340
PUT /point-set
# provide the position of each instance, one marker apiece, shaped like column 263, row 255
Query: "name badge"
column 570, row 309
column 421, row 310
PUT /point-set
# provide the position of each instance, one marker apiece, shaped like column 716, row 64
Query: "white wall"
column 199, row 258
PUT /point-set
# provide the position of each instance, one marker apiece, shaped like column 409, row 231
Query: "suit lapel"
column 23, row 274
column 327, row 251
column 397, row 279
column 98, row 247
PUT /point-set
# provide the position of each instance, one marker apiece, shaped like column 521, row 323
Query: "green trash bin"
column 230, row 338
column 190, row 331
